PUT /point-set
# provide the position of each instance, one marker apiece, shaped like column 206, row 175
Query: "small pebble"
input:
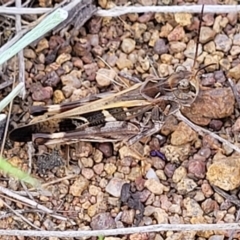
column 186, row 185
column 207, row 189
column 207, row 34
column 179, row 174
column 42, row 44
column 114, row 186
column 98, row 168
column 169, row 170
column 209, row 205
column 42, row 94
column 197, row 168
column 205, row 152
column 87, row 173
column 58, row 97
column 128, row 45
column 78, row 186
column 110, row 168
column 151, row 174
column 52, row 79
column 183, row 19
column 232, row 18
column 216, row 124
column 159, row 214
column 177, row 34
column 71, row 80
column 219, row 76
column 234, row 72
column 177, row 47
column 29, row 53
column 102, row 221
column 128, row 216
column 106, row 149
column 223, row 42
column 105, row 77
column 235, row 50
column 160, row 47
column 192, row 207
column 155, row 186
column 64, row 57
column 208, row 79
column 236, row 39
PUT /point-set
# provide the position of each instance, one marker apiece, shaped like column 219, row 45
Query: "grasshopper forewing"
column 69, row 118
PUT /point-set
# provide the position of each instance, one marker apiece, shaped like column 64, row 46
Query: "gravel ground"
column 166, row 178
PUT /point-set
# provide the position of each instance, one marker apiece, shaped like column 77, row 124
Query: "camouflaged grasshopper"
column 112, row 118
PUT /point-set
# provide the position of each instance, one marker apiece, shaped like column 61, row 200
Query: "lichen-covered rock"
column 225, row 173
column 176, row 154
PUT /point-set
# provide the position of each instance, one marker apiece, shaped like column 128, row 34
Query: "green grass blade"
column 11, row 96
column 46, row 25
column 7, row 168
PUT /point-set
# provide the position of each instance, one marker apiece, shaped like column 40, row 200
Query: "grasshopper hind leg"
column 22, row 134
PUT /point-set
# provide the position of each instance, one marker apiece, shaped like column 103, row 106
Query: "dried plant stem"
column 21, row 211
column 124, row 231
column 20, row 215
column 7, row 123
column 21, row 62
column 118, row 11
column 231, row 234
column 19, row 11
column 6, row 84
column 31, row 203
column 203, row 131
column 8, row 3
column 30, row 151
column 11, row 96
column 59, row 180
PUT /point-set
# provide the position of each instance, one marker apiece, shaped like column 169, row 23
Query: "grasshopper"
column 104, row 119
column 111, row 118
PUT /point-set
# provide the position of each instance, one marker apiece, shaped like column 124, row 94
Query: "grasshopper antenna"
column 198, row 37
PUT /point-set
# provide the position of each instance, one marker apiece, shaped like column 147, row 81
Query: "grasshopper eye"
column 184, row 85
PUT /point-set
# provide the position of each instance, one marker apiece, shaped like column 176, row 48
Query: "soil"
column 172, row 176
